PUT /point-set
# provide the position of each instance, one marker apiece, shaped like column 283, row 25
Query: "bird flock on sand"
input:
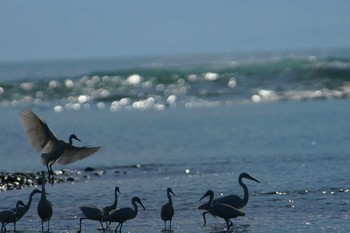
column 58, row 151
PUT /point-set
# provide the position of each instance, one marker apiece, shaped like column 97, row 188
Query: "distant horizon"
column 247, row 52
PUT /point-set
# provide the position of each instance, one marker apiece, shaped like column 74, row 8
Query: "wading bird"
column 167, row 211
column 23, row 209
column 123, row 214
column 92, row 213
column 109, row 208
column 221, row 210
column 52, row 149
column 44, row 206
column 9, row 216
column 233, row 200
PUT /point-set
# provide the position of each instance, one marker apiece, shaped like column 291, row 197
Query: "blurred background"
column 42, row 30
column 156, row 54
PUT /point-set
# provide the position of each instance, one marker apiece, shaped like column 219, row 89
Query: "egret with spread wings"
column 52, row 149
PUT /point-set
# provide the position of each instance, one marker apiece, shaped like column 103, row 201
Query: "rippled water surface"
column 297, row 150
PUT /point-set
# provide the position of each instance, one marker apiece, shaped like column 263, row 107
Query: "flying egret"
column 92, row 213
column 109, row 208
column 221, row 210
column 9, row 216
column 44, row 206
column 52, row 149
column 23, row 209
column 123, row 214
column 233, row 200
column 167, row 211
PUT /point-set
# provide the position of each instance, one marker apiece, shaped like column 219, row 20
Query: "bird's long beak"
column 142, row 206
column 251, row 178
column 203, row 197
column 173, row 193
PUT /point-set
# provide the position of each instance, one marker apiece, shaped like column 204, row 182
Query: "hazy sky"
column 89, row 29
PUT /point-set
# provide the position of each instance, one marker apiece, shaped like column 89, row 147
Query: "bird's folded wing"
column 37, row 130
column 72, row 154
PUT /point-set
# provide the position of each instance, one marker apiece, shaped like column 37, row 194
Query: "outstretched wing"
column 36, row 129
column 73, row 153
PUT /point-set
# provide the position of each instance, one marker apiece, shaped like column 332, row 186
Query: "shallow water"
column 297, row 150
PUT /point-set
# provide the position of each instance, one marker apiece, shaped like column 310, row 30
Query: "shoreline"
column 19, row 180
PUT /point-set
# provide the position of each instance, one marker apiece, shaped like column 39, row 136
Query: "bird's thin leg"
column 108, row 225
column 14, row 226
column 164, row 225
column 121, row 225
column 205, row 221
column 228, row 223
column 48, row 226
column 48, row 172
column 81, row 219
column 231, row 223
column 117, row 227
column 103, row 229
column 52, row 174
column 170, row 224
column 42, row 226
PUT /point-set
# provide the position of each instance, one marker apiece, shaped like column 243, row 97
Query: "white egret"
column 9, row 216
column 52, row 149
column 221, row 210
column 167, row 211
column 44, row 209
column 92, row 213
column 23, row 209
column 123, row 214
column 109, row 208
column 233, row 200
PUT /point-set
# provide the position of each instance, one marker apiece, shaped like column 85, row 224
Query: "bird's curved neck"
column 169, row 198
column 246, row 193
column 115, row 200
column 43, row 193
column 135, row 207
column 70, row 140
column 30, row 200
column 211, row 197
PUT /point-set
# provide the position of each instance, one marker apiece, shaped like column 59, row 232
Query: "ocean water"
column 192, row 126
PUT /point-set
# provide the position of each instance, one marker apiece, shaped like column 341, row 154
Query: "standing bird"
column 23, row 209
column 109, row 208
column 233, row 200
column 124, row 214
column 9, row 216
column 221, row 210
column 52, row 149
column 92, row 213
column 44, row 206
column 167, row 211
